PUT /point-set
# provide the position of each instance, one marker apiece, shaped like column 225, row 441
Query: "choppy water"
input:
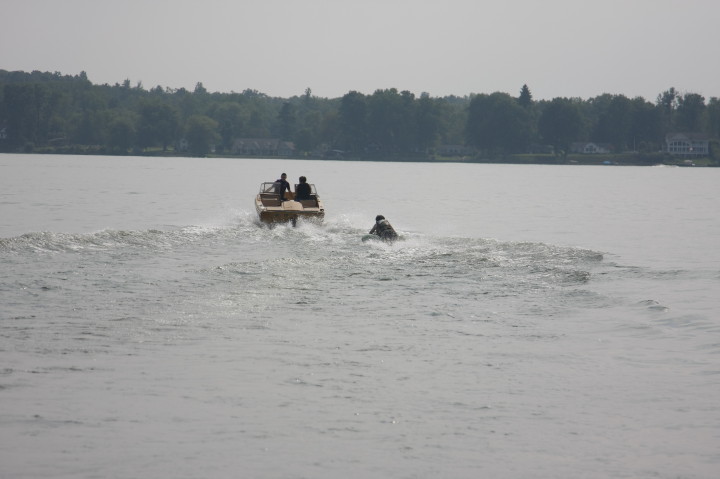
column 562, row 324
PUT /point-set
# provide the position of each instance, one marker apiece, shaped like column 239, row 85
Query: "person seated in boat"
column 303, row 190
column 281, row 185
column 383, row 229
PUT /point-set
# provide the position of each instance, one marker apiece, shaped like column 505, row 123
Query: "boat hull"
column 272, row 210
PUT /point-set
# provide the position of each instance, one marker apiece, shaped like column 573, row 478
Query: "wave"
column 50, row 242
column 335, row 244
column 160, row 238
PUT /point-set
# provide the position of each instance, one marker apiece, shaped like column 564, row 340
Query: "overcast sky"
column 572, row 48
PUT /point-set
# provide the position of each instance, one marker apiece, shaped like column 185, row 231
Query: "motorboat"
column 271, row 209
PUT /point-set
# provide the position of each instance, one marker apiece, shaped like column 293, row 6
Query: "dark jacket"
column 303, row 191
column 384, row 229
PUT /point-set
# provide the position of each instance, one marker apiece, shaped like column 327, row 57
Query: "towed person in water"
column 383, row 229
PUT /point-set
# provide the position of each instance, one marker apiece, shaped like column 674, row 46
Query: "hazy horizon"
column 559, row 48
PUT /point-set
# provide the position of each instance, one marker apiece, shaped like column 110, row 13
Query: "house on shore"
column 687, row 145
column 263, row 147
column 590, row 148
column 454, row 150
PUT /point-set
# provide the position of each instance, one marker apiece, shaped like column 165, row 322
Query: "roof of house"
column 686, row 136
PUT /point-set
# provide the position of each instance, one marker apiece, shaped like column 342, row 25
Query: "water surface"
column 535, row 321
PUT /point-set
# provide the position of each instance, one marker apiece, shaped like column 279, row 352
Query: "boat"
column 271, row 210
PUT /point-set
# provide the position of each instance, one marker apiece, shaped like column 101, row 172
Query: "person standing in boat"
column 303, row 190
column 281, row 185
column 383, row 229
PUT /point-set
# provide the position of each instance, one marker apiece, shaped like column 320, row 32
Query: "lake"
column 533, row 321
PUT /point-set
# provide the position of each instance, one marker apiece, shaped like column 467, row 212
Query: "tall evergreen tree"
column 525, row 99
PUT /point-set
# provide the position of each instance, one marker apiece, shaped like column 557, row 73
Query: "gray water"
column 534, row 321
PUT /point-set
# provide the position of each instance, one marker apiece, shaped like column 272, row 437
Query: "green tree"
column 497, row 124
column 158, row 123
column 713, row 110
column 691, row 113
column 229, row 116
column 647, row 130
column 201, row 134
column 454, row 116
column 187, row 103
column 392, row 120
column 122, row 133
column 88, row 128
column 353, row 121
column 287, row 121
column 525, row 99
column 614, row 121
column 667, row 102
column 46, row 109
column 23, row 110
column 561, row 122
column 307, row 138
column 328, row 129
column 429, row 125
column 257, row 125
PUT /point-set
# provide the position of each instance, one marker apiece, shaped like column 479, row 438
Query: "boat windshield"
column 268, row 188
column 271, row 187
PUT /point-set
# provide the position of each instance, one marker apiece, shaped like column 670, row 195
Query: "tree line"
column 43, row 111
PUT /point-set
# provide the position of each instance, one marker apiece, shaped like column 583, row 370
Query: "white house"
column 263, row 147
column 589, row 148
column 687, row 144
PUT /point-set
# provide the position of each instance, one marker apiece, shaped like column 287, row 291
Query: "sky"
column 559, row 48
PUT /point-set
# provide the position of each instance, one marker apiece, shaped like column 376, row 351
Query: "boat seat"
column 270, row 199
column 311, row 203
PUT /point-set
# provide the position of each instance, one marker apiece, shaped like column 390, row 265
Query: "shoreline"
column 621, row 159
